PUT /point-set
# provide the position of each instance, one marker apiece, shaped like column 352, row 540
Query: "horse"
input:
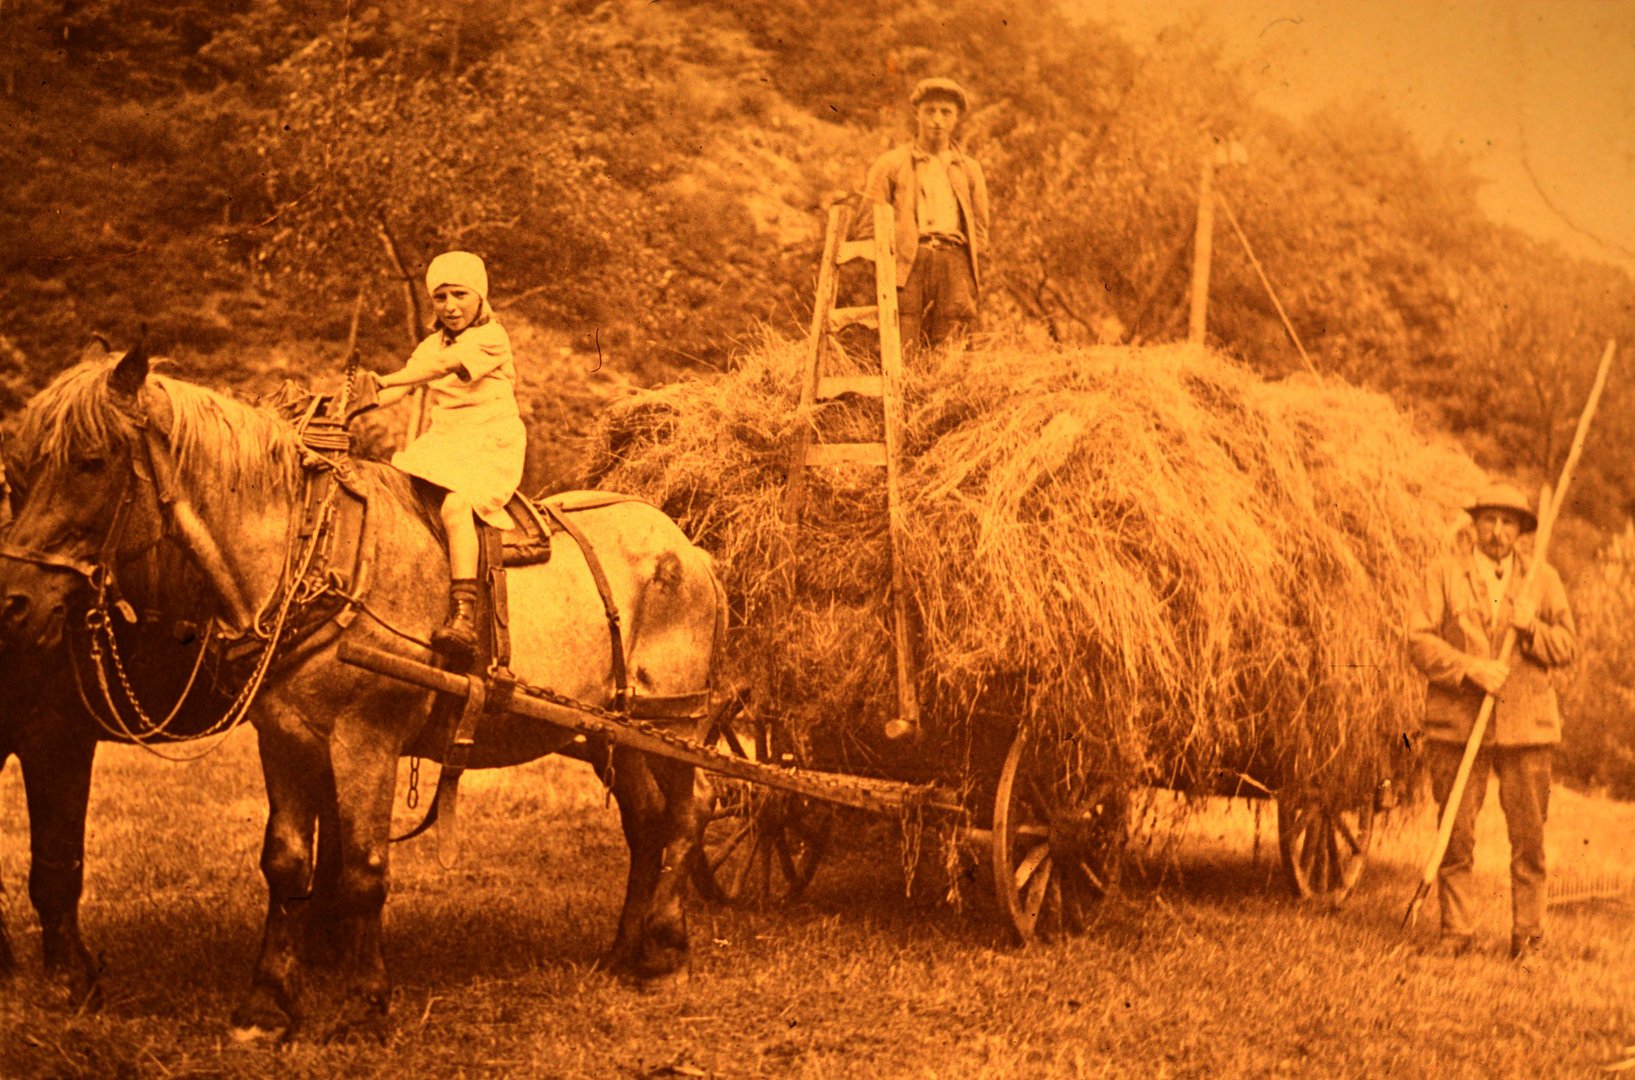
column 131, row 451
column 52, row 725
column 53, row 731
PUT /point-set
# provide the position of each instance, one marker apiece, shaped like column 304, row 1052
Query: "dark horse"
column 56, row 708
column 124, row 453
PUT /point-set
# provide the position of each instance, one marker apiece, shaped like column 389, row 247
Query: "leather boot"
column 457, row 637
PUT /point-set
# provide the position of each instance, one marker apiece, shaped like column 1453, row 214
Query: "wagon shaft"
column 537, row 703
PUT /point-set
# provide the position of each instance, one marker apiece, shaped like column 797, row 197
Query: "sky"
column 1541, row 93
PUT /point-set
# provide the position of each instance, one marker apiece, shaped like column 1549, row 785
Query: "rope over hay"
column 1182, row 573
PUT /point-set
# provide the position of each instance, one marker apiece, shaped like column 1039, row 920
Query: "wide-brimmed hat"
column 460, row 268
column 928, row 87
column 1505, row 497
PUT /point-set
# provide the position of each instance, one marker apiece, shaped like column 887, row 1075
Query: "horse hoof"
column 255, row 1034
column 666, row 982
column 661, row 982
column 85, row 996
column 260, row 1021
column 361, row 1021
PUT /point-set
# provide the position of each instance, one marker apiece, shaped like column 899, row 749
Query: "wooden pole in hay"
column 1541, row 548
column 1202, row 248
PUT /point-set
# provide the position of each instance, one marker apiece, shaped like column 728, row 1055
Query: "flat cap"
column 927, row 87
column 1505, row 497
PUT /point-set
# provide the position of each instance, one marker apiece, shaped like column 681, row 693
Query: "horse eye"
column 90, row 465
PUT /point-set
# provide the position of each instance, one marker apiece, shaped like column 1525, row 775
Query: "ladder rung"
column 842, row 317
column 854, row 249
column 855, row 453
column 832, row 386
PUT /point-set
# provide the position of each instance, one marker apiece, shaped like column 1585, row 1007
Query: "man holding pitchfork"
column 1468, row 603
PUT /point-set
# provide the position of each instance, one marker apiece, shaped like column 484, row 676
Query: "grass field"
column 1200, row 968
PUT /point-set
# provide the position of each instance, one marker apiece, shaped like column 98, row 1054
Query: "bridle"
column 98, row 573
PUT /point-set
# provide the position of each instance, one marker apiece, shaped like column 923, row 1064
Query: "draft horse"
column 64, row 695
column 128, row 451
column 55, row 711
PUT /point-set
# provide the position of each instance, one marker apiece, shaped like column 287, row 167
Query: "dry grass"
column 1182, row 571
column 1202, row 969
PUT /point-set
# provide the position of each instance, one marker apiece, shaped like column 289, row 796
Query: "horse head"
column 82, row 497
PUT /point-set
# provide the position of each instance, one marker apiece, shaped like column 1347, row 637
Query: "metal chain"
column 149, row 727
column 412, row 800
column 247, row 694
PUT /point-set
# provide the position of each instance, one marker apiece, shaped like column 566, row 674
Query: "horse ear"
column 131, row 372
column 96, row 347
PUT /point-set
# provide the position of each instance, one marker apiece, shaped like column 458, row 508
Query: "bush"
column 1598, row 740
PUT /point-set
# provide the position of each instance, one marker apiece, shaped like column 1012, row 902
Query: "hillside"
column 647, row 183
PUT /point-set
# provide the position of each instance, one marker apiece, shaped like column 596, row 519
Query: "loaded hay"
column 1183, row 575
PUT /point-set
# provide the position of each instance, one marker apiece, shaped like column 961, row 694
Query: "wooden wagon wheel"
column 1058, row 841
column 757, row 847
column 1323, row 847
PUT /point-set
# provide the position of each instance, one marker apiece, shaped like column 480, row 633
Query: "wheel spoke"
column 1028, row 865
column 1308, row 853
column 1039, row 798
column 1344, row 828
column 1070, row 896
column 726, row 850
column 1033, row 898
column 739, row 876
column 764, row 859
column 1320, row 865
column 786, row 861
column 1331, row 840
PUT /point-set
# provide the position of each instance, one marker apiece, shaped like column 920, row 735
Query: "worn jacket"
column 1451, row 628
column 891, row 180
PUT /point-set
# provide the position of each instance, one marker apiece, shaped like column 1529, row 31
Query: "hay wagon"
column 1052, row 833
column 1052, row 838
column 1109, row 502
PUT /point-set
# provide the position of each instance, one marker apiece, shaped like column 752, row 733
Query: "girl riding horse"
column 474, row 444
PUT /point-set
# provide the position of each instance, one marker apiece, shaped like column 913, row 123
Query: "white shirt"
column 936, row 207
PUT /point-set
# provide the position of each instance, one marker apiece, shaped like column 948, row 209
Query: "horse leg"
column 665, row 946
column 658, row 815
column 56, row 764
column 365, row 776
column 8, row 959
column 323, row 937
column 288, row 764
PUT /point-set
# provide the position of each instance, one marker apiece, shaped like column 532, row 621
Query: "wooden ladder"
column 808, row 451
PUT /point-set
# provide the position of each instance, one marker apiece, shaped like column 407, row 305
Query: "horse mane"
column 220, row 444
column 218, row 441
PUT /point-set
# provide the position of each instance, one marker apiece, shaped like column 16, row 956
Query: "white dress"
column 474, row 441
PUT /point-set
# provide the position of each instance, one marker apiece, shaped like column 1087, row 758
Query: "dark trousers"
column 1524, row 794
column 939, row 299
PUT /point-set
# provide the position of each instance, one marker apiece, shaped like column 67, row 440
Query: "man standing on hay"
column 1468, row 602
column 940, row 202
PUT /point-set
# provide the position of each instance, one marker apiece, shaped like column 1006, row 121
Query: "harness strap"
column 493, row 550
column 621, row 678
column 83, row 567
column 455, row 758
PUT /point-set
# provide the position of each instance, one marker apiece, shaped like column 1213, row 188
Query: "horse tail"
column 671, row 595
